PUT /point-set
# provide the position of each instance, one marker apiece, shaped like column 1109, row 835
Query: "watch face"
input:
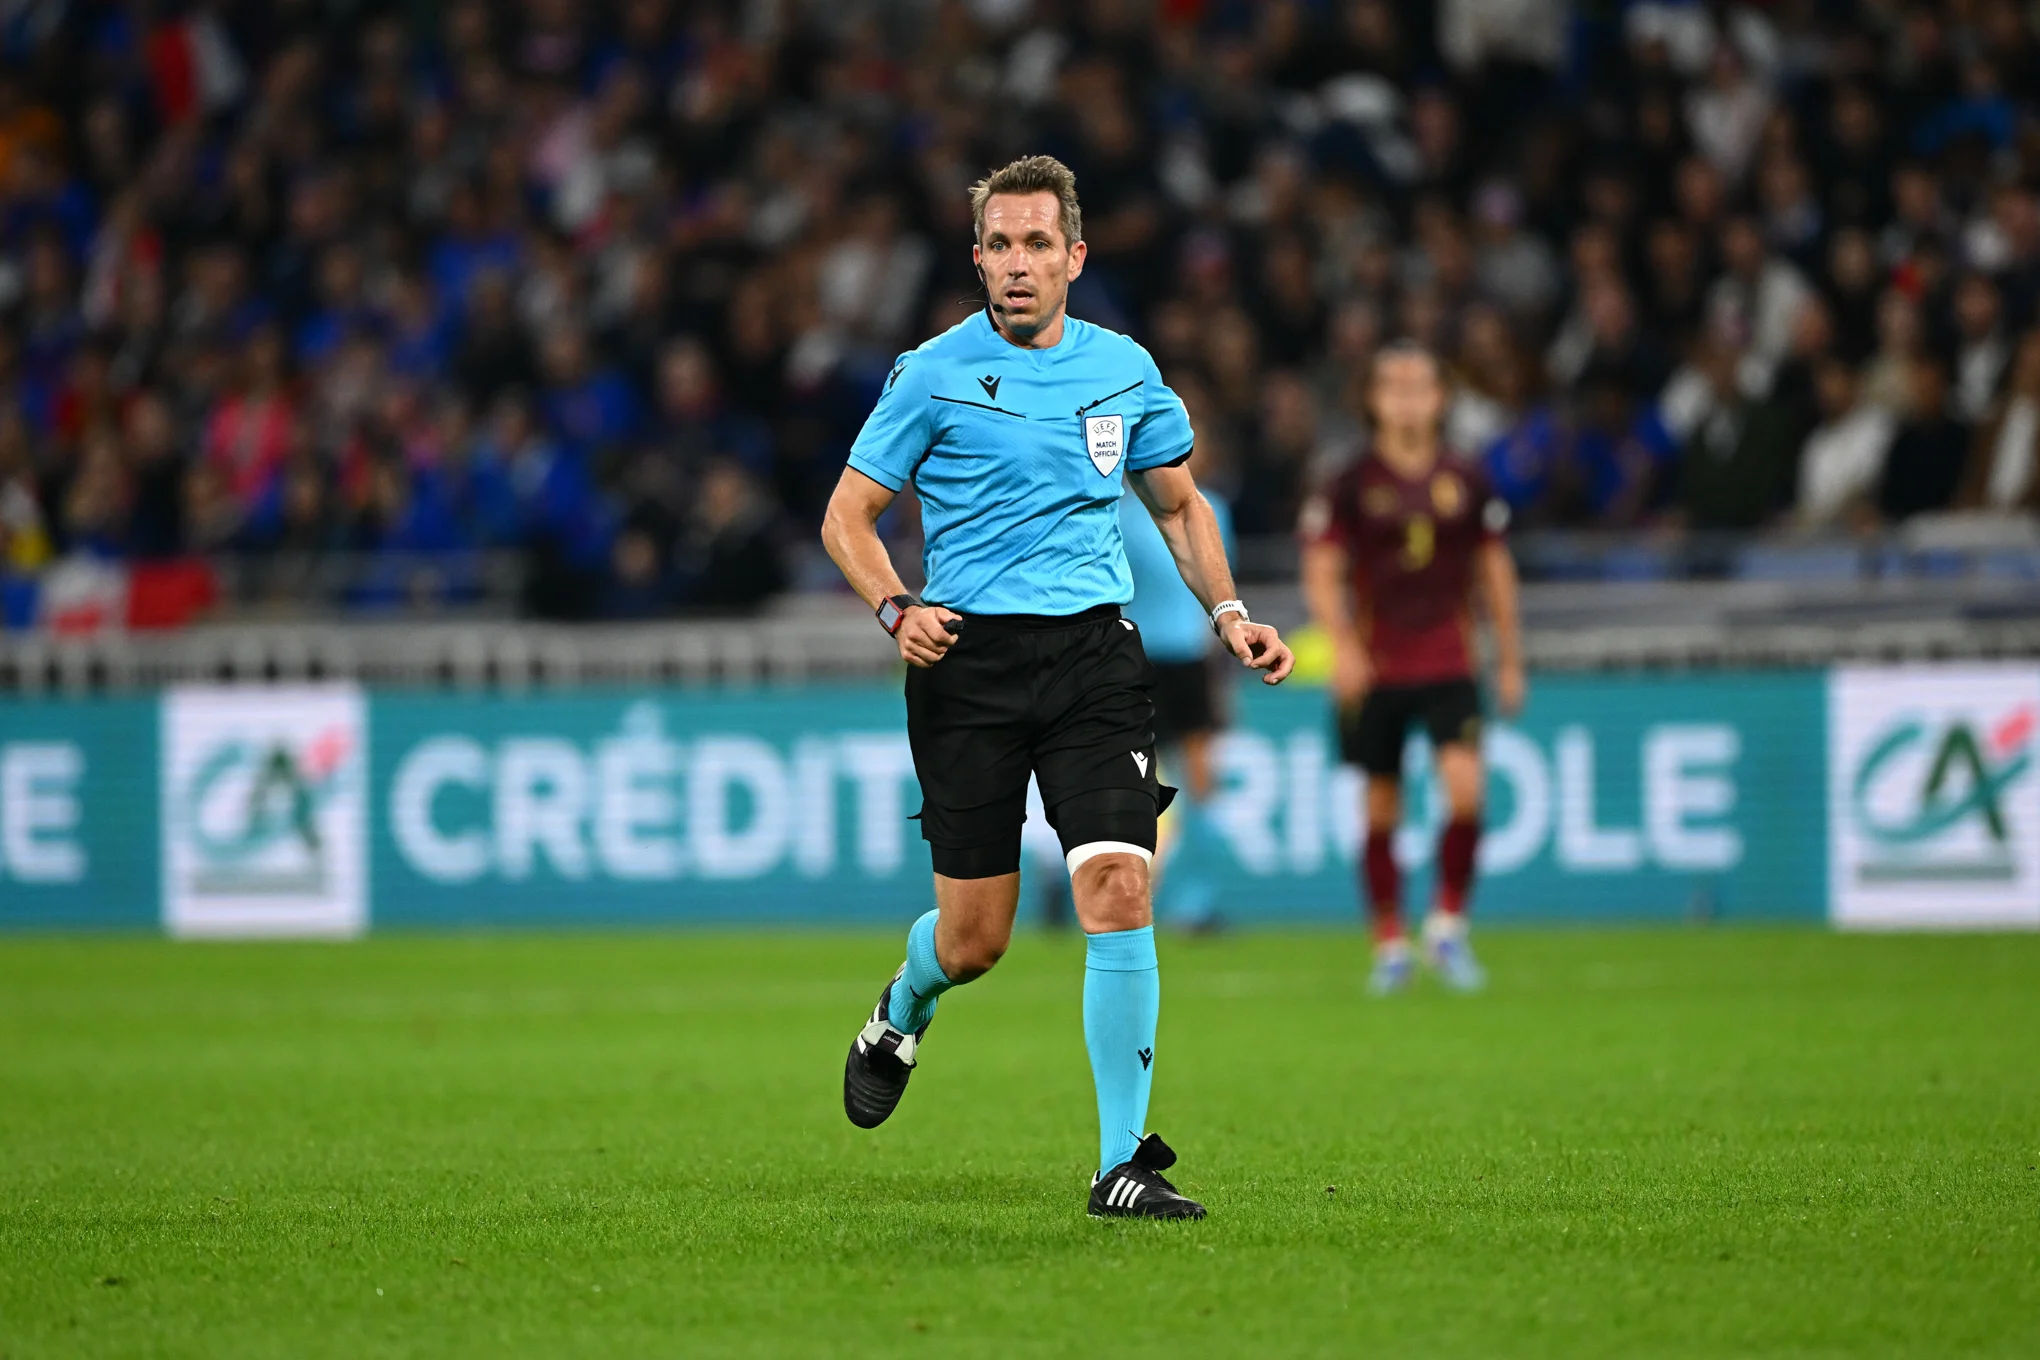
column 889, row 616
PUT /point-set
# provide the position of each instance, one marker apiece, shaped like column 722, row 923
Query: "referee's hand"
column 1260, row 647
column 924, row 634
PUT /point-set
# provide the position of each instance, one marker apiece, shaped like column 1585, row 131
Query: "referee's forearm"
column 1199, row 549
column 859, row 553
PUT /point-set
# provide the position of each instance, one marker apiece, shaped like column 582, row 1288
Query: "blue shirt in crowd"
column 1019, row 457
column 1173, row 627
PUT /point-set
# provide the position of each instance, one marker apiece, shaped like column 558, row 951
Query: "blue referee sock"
column 913, row 995
column 1188, row 893
column 1122, row 1000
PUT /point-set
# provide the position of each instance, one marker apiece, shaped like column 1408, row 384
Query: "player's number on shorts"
column 1420, row 542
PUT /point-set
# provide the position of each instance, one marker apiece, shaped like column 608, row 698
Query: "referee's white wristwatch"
column 1224, row 607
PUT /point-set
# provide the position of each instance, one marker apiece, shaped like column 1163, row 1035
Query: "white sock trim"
column 1090, row 850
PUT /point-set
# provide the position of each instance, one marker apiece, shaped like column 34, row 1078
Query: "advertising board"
column 1877, row 797
column 1933, row 802
column 264, row 811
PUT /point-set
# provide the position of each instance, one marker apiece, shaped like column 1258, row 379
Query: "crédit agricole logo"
column 1929, row 800
column 252, row 810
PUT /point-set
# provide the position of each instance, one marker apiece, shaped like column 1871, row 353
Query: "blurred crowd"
column 612, row 285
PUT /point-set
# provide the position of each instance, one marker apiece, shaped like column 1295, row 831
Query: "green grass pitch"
column 1637, row 1143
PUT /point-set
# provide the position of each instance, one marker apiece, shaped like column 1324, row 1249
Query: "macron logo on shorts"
column 1140, row 762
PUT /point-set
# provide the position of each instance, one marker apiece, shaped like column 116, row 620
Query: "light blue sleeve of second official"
column 1173, row 625
column 1221, row 510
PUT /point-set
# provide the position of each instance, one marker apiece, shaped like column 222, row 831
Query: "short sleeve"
column 1327, row 515
column 1163, row 435
column 1494, row 508
column 898, row 431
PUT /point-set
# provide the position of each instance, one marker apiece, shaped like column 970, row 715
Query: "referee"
column 1018, row 429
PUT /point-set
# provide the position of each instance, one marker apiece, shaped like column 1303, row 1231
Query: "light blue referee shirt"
column 1173, row 626
column 1020, row 457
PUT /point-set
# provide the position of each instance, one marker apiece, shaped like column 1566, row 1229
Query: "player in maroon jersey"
column 1394, row 551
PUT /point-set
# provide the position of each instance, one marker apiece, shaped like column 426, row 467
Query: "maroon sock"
column 1384, row 885
column 1456, row 846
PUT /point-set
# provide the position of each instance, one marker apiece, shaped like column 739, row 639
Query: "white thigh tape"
column 1090, row 850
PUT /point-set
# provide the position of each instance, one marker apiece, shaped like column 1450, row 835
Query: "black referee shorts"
column 1066, row 699
column 1371, row 734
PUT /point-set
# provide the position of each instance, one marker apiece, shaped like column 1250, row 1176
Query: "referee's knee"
column 1111, row 893
column 973, row 951
column 1108, row 839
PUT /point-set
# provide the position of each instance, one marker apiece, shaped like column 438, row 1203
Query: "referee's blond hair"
column 1031, row 175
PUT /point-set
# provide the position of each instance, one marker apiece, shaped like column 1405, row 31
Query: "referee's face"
column 1026, row 262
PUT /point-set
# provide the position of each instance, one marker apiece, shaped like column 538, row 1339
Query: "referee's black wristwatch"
column 892, row 612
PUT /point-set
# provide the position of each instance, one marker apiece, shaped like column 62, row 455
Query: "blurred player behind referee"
column 1018, row 429
column 1188, row 703
column 1394, row 550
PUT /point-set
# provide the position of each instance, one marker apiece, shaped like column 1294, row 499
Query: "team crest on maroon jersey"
column 1447, row 495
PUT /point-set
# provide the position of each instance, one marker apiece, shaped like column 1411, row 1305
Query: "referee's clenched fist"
column 926, row 632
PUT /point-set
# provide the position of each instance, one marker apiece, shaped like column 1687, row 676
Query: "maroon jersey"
column 1412, row 544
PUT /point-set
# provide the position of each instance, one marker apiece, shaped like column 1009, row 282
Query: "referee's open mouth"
column 1018, row 296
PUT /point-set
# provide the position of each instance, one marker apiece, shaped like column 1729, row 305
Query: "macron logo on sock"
column 1147, row 1055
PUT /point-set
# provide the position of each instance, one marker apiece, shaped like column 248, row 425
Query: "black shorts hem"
column 1374, row 734
column 1186, row 700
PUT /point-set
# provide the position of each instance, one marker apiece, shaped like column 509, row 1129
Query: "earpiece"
column 996, row 305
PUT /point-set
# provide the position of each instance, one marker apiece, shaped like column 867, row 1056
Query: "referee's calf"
column 1018, row 428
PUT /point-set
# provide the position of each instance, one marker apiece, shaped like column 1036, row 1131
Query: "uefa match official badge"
column 1105, row 441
